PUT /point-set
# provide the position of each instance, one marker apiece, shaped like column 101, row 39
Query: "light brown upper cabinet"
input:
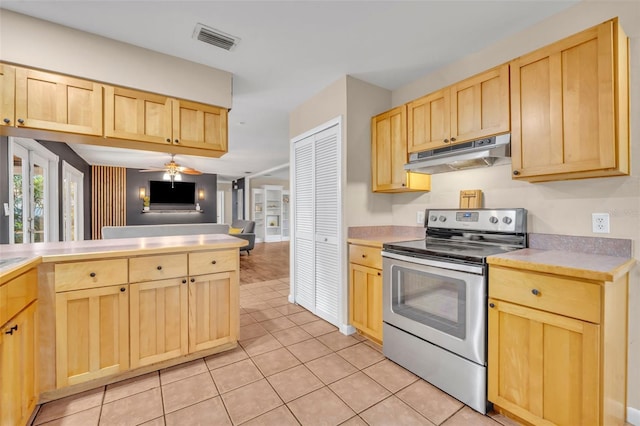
column 56, row 102
column 471, row 109
column 389, row 154
column 148, row 117
column 199, row 126
column 570, row 107
column 8, row 90
column 134, row 115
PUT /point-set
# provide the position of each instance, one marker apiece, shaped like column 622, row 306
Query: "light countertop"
column 561, row 262
column 376, row 236
column 17, row 258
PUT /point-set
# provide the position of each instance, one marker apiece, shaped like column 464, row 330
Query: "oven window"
column 436, row 301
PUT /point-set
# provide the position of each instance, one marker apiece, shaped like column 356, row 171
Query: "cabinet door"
column 159, row 315
column 8, row 90
column 137, row 116
column 429, row 121
column 563, row 101
column 18, row 367
column 365, row 300
column 59, row 103
column 543, row 366
column 92, row 334
column 389, row 150
column 199, row 126
column 480, row 105
column 213, row 310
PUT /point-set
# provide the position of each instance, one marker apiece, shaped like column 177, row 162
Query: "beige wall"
column 330, row 103
column 356, row 101
column 40, row 44
column 363, row 207
column 554, row 207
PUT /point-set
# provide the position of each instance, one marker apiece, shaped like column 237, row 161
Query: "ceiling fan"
column 172, row 171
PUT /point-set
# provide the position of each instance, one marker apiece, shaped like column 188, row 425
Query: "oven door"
column 441, row 302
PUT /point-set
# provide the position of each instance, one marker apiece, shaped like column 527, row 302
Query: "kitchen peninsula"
column 106, row 310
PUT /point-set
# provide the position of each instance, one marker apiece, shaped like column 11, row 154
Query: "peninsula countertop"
column 16, row 258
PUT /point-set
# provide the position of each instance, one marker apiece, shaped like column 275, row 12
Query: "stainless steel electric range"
column 435, row 297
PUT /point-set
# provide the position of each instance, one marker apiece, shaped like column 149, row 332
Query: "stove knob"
column 443, row 219
column 493, row 219
column 433, row 218
column 507, row 220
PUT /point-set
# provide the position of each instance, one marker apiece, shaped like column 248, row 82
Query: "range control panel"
column 496, row 220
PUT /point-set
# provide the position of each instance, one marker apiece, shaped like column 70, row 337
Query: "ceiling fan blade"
column 188, row 171
column 152, row 170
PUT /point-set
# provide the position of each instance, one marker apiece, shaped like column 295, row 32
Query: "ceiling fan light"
column 177, row 177
column 166, row 176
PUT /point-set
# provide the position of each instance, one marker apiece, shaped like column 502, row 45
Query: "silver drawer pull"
column 535, row 292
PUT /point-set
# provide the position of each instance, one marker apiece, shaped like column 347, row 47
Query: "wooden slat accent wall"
column 108, row 198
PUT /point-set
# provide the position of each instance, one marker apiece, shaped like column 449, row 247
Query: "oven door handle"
column 479, row 270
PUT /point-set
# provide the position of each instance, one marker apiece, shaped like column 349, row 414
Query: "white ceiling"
column 289, row 51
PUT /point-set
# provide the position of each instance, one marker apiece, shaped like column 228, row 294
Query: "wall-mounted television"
column 163, row 192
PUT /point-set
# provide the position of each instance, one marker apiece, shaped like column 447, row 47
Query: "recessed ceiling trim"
column 215, row 37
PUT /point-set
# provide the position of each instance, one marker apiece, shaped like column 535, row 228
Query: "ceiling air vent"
column 215, row 37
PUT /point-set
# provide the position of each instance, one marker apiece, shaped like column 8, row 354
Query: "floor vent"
column 215, row 37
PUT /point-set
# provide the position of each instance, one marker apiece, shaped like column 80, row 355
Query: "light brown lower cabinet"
column 212, row 302
column 365, row 290
column 92, row 334
column 365, row 300
column 557, row 347
column 18, row 389
column 158, row 315
column 547, row 365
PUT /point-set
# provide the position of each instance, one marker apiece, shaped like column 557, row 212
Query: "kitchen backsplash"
column 593, row 245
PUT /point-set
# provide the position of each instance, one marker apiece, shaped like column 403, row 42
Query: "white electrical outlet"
column 600, row 223
column 420, row 217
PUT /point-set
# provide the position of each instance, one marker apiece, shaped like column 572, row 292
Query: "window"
column 33, row 202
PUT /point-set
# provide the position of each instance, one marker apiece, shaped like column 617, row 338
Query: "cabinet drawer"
column 151, row 268
column 90, row 274
column 564, row 296
column 16, row 294
column 209, row 262
column 367, row 256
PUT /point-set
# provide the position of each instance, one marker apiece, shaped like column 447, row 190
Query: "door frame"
column 78, row 176
column 51, row 208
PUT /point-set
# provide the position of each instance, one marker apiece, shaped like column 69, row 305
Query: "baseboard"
column 633, row 416
column 347, row 329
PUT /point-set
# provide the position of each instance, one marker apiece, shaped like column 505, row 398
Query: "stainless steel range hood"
column 469, row 155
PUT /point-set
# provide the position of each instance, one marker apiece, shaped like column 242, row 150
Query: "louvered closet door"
column 304, row 275
column 327, row 223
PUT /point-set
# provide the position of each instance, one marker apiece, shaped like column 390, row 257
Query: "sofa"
column 136, row 231
column 247, row 232
column 246, row 227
